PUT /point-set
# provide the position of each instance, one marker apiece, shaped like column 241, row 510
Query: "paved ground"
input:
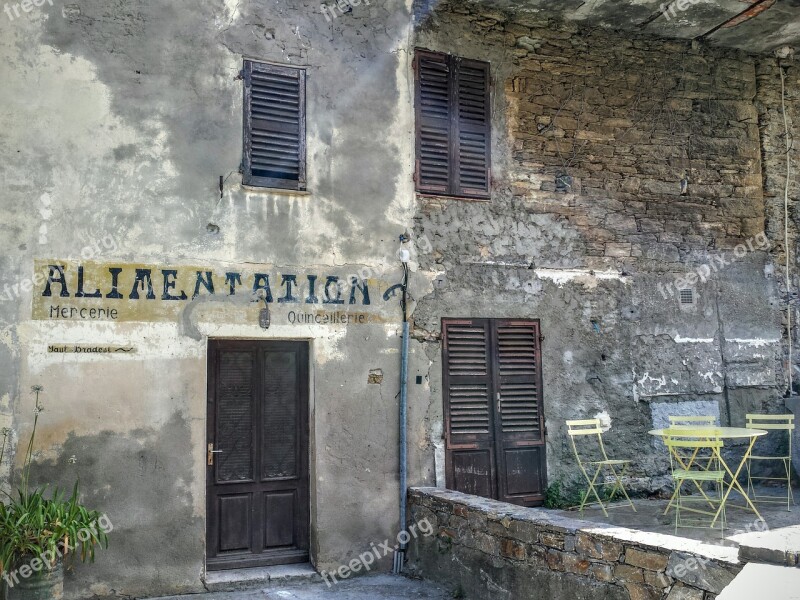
column 650, row 517
column 374, row 587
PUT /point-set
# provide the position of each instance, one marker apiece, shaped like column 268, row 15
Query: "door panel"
column 258, row 504
column 234, row 520
column 493, row 409
column 473, row 472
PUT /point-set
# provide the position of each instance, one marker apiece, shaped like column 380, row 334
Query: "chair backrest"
column 689, row 444
column 692, row 421
column 585, row 427
column 784, row 422
column 697, row 439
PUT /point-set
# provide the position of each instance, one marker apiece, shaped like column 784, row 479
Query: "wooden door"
column 494, row 417
column 257, row 454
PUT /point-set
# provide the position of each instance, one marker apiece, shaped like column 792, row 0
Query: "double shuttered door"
column 257, row 473
column 492, row 381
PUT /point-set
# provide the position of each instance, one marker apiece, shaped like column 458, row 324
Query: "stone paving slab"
column 374, row 587
column 764, row 581
column 650, row 517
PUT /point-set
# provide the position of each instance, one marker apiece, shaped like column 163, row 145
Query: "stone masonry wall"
column 773, row 144
column 490, row 550
column 624, row 168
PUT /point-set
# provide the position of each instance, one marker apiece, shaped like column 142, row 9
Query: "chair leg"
column 618, row 477
column 592, row 489
column 787, row 462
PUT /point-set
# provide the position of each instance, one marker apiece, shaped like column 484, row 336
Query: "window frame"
column 248, row 178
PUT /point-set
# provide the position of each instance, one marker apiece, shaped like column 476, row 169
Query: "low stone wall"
column 487, row 549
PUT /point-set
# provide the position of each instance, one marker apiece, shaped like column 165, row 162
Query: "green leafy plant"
column 560, row 496
column 48, row 527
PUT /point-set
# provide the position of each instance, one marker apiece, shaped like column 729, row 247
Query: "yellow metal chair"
column 591, row 428
column 694, row 422
column 680, row 442
column 772, row 423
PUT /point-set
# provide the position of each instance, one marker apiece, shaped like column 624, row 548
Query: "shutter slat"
column 469, row 409
column 468, row 386
column 274, row 126
column 517, row 365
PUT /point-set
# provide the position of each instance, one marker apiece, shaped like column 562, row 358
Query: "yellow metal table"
column 724, row 433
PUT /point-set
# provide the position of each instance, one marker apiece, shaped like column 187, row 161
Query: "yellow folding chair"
column 591, row 427
column 694, row 422
column 772, row 423
column 680, row 442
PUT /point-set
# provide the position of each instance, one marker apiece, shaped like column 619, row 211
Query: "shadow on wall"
column 143, row 482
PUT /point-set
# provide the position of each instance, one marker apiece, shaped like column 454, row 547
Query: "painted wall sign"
column 89, row 349
column 94, row 291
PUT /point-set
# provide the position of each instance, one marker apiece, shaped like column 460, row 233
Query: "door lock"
column 211, row 453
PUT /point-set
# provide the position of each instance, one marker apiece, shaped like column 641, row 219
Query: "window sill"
column 429, row 196
column 278, row 191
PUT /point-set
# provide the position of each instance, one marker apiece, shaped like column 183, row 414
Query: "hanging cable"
column 786, row 221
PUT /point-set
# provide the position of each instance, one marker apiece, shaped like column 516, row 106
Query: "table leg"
column 735, row 482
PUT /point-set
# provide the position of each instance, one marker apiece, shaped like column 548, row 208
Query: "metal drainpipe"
column 399, row 556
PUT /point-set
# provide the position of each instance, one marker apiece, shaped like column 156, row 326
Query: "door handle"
column 211, row 453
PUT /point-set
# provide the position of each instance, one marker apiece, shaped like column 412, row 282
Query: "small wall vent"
column 687, row 296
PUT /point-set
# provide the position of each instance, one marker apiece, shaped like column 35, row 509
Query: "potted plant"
column 40, row 531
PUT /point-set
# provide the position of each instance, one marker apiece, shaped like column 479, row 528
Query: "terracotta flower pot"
column 45, row 584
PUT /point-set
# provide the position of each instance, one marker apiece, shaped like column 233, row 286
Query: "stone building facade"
column 620, row 163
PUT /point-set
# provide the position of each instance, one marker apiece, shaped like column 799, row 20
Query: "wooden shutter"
column 494, row 421
column 468, row 407
column 453, row 125
column 519, row 428
column 274, row 126
column 472, row 122
column 433, row 123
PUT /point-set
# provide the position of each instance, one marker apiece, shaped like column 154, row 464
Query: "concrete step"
column 262, row 577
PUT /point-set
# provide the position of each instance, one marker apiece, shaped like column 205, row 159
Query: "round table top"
column 720, row 432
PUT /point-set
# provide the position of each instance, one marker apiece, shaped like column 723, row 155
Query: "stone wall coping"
column 778, row 546
column 660, row 542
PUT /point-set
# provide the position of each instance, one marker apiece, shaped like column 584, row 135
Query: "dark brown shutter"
column 274, row 126
column 453, row 125
column 519, row 430
column 433, row 122
column 494, row 421
column 473, row 127
column 468, row 407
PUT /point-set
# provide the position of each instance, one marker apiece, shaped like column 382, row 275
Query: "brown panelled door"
column 494, row 417
column 257, row 454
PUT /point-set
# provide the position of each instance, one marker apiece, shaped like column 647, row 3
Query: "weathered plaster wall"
column 117, row 120
column 626, row 119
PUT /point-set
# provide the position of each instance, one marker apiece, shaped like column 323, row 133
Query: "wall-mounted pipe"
column 399, row 555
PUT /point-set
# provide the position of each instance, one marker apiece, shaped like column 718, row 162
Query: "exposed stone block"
column 646, row 560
